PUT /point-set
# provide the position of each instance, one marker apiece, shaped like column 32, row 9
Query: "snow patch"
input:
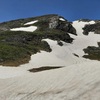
column 60, row 55
column 30, row 23
column 27, row 29
column 81, row 42
column 92, row 22
column 79, row 25
column 61, row 19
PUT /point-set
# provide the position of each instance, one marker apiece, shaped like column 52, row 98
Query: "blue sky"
column 70, row 9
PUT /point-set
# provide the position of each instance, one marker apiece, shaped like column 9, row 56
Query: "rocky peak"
column 53, row 23
column 64, row 25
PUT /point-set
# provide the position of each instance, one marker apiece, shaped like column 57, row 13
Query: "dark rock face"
column 85, row 20
column 93, row 52
column 55, row 23
column 67, row 27
column 92, row 28
column 60, row 43
column 43, row 68
column 63, row 37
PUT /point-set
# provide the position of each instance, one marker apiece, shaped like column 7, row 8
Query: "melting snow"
column 30, row 23
column 61, row 19
column 78, row 80
column 27, row 29
column 78, row 25
column 83, row 41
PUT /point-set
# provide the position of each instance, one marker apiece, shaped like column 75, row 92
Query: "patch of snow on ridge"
column 92, row 22
column 32, row 22
column 61, row 19
column 78, row 25
column 27, row 29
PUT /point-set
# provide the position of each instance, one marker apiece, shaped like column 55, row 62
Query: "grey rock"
column 92, row 28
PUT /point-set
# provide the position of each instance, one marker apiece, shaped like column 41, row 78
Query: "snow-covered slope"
column 81, row 24
column 77, row 79
column 74, row 82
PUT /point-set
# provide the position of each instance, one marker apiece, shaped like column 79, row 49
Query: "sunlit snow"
column 61, row 19
column 27, row 29
column 30, row 23
column 79, row 79
column 80, row 24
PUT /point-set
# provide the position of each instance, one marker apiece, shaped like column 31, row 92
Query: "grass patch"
column 93, row 53
column 16, row 47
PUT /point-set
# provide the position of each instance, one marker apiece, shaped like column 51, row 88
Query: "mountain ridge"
column 25, row 37
column 50, row 59
column 47, row 28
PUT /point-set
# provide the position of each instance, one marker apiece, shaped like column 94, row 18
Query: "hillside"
column 24, row 37
column 49, row 58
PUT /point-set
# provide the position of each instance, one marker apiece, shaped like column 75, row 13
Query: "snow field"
column 79, row 79
column 27, row 29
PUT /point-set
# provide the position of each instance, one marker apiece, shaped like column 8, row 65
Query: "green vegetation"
column 93, row 53
column 16, row 47
column 21, row 22
column 92, row 28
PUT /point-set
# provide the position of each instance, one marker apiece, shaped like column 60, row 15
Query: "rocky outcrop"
column 55, row 23
column 92, row 52
column 92, row 28
column 67, row 27
column 85, row 20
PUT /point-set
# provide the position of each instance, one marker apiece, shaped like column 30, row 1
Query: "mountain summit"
column 19, row 39
column 49, row 58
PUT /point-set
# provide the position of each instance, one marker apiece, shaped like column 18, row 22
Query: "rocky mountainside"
column 50, row 58
column 18, row 46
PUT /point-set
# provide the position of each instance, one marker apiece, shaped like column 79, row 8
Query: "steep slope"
column 22, row 38
column 59, row 45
